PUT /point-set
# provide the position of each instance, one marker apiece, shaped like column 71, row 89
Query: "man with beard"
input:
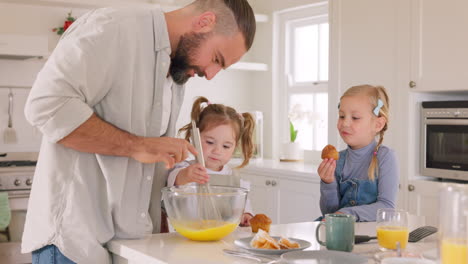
column 107, row 101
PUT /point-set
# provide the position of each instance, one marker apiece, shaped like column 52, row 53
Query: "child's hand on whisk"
column 193, row 173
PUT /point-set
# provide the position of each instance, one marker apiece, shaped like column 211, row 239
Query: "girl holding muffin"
column 222, row 129
column 365, row 176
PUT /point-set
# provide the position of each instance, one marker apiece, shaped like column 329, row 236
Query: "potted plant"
column 292, row 150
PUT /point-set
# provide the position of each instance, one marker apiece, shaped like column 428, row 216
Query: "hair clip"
column 204, row 105
column 377, row 108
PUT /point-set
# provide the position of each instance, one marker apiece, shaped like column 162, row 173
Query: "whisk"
column 206, row 205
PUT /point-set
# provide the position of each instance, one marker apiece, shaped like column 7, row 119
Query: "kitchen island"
column 174, row 248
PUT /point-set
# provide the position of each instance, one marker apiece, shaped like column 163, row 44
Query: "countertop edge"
column 133, row 256
column 286, row 170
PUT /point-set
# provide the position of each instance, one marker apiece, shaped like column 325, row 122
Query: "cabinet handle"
column 411, row 188
column 273, row 183
column 268, row 182
column 412, row 84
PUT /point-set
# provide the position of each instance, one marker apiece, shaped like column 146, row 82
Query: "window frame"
column 281, row 68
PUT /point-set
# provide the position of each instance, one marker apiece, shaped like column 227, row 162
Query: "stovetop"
column 17, row 170
column 17, row 163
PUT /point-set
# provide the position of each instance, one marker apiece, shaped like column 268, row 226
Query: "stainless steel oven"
column 444, row 139
column 16, row 176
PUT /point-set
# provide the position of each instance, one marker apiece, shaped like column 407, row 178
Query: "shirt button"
column 353, row 202
column 143, row 215
column 148, row 178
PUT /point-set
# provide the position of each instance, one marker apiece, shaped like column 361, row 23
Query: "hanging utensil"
column 9, row 135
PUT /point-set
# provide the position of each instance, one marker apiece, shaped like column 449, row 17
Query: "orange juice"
column 204, row 230
column 454, row 251
column 388, row 236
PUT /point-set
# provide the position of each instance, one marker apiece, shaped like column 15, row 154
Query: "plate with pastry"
column 263, row 243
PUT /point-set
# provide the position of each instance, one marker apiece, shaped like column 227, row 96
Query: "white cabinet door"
column 423, row 200
column 439, row 45
column 298, row 201
column 284, row 200
column 264, row 195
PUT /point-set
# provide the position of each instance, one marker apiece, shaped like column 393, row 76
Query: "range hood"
column 21, row 47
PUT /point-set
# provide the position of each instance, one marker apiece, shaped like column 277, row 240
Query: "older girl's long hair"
column 207, row 116
column 374, row 93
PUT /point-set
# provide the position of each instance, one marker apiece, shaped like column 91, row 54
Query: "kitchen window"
column 301, row 72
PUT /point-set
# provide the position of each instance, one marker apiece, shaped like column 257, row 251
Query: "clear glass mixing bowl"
column 203, row 216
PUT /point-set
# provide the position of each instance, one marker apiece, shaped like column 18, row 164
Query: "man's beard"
column 187, row 48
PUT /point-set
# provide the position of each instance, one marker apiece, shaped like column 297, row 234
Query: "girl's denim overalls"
column 353, row 191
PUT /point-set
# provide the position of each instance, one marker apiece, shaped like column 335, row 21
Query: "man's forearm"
column 97, row 136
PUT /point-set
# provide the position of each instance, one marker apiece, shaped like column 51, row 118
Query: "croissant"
column 263, row 240
column 287, row 244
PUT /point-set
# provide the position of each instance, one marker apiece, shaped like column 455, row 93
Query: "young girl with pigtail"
column 365, row 177
column 222, row 129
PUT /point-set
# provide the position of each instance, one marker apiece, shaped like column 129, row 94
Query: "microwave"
column 444, row 139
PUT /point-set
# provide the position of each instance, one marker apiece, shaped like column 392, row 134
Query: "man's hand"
column 98, row 136
column 161, row 149
column 193, row 173
column 326, row 170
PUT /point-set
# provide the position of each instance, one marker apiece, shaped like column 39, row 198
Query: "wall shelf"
column 249, row 66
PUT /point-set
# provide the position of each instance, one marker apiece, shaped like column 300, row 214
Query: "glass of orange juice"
column 454, row 225
column 392, row 228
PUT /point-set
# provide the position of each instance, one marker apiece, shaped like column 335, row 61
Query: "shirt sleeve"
column 387, row 189
column 329, row 197
column 175, row 171
column 77, row 76
column 248, row 205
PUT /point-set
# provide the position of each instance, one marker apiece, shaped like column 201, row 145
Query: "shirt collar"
column 356, row 154
column 160, row 33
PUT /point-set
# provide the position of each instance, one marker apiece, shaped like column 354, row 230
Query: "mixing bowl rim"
column 238, row 191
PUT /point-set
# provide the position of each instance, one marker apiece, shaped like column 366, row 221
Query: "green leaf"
column 292, row 132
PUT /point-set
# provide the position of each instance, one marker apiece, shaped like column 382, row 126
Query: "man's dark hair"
column 231, row 16
column 245, row 19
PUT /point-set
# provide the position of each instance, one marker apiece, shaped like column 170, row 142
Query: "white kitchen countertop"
column 174, row 248
column 269, row 167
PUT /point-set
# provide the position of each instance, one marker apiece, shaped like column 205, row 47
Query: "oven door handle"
column 456, row 122
column 18, row 194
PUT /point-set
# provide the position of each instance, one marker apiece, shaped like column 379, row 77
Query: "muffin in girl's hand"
column 330, row 152
column 260, row 221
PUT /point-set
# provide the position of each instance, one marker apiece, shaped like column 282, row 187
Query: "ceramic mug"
column 339, row 232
